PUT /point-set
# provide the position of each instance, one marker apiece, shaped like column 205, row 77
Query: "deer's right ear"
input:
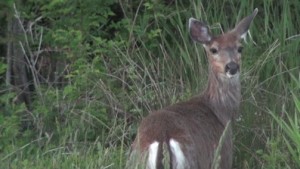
column 199, row 31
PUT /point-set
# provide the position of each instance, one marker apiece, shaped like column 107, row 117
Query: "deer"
column 197, row 133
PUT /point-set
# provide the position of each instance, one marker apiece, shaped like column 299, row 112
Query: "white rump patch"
column 178, row 154
column 152, row 158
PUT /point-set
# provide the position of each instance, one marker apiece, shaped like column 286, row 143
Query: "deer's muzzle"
column 232, row 68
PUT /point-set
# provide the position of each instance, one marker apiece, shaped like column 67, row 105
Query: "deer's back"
column 194, row 126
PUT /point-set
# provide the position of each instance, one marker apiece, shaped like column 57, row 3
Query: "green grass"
column 157, row 65
column 87, row 156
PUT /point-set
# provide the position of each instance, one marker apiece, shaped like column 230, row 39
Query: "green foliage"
column 286, row 139
column 281, row 148
column 10, row 122
column 3, row 68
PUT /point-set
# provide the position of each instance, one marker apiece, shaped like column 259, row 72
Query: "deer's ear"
column 199, row 31
column 242, row 27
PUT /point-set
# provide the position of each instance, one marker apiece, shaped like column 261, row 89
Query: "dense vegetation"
column 77, row 76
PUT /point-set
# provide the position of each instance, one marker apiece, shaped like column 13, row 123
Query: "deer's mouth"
column 230, row 75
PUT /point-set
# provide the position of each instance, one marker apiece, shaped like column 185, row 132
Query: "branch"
column 30, row 56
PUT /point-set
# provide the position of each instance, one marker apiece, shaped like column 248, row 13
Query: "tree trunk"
column 16, row 74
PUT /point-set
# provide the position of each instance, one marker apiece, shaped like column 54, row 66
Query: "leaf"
column 68, row 90
column 3, row 68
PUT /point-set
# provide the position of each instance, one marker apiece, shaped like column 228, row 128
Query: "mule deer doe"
column 188, row 133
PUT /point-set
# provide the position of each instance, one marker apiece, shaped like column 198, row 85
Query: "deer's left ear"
column 242, row 27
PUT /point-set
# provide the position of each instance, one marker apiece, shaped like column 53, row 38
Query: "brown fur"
column 198, row 124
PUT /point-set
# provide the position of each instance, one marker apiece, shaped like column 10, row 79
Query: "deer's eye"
column 240, row 49
column 213, row 50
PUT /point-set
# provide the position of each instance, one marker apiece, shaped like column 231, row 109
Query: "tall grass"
column 159, row 65
column 286, row 134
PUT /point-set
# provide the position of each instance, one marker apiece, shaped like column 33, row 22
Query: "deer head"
column 224, row 51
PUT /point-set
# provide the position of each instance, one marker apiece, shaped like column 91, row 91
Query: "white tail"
column 192, row 130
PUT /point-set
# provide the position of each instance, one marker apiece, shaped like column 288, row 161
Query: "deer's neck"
column 223, row 95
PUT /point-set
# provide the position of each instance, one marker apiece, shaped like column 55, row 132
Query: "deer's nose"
column 232, row 68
